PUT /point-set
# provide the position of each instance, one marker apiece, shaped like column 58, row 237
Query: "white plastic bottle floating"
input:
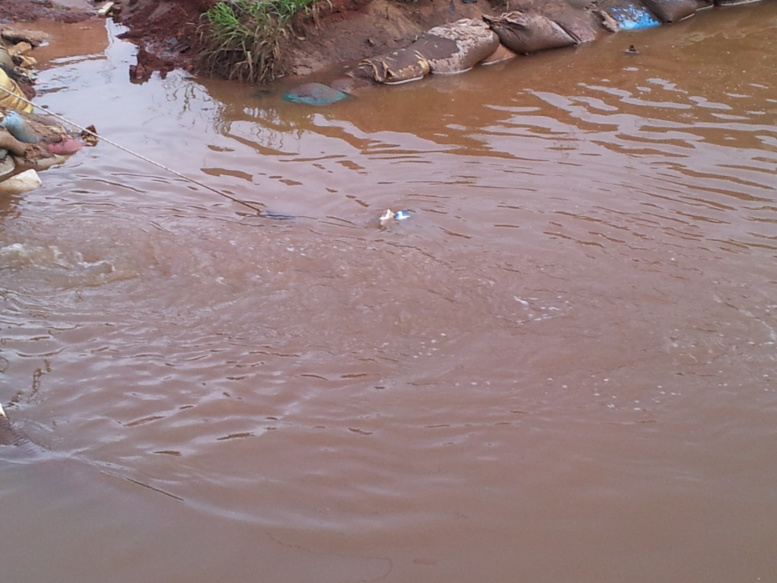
column 390, row 216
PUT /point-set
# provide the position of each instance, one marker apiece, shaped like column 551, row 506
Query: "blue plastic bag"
column 314, row 94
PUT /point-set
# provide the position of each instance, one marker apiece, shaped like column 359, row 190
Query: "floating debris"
column 387, row 218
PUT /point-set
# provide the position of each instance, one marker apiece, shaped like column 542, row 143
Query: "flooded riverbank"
column 560, row 367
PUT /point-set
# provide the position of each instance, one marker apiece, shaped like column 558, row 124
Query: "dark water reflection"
column 560, row 368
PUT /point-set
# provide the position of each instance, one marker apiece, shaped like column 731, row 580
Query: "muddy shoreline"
column 338, row 32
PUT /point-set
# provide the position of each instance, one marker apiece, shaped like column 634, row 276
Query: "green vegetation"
column 240, row 38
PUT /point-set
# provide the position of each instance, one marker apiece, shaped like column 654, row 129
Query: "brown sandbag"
column 502, row 53
column 456, row 46
column 672, row 10
column 396, row 67
column 528, row 33
column 576, row 17
column 8, row 142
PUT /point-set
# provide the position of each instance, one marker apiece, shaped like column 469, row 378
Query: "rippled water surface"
column 562, row 366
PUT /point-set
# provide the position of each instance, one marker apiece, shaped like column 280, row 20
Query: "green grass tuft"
column 240, row 38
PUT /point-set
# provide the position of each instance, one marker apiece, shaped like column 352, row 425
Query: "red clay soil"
column 338, row 31
column 342, row 31
column 13, row 11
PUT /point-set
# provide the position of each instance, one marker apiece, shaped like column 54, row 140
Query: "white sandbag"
column 23, row 182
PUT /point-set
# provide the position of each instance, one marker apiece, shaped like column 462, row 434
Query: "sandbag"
column 10, row 144
column 5, row 58
column 7, row 169
column 576, row 17
column 20, row 128
column 11, row 96
column 38, row 142
column 672, row 10
column 16, row 184
column 398, row 66
column 456, row 46
column 528, row 33
column 582, row 25
column 502, row 53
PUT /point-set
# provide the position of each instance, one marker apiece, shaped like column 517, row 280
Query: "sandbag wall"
column 538, row 26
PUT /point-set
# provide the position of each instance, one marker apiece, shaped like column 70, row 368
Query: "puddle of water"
column 560, row 367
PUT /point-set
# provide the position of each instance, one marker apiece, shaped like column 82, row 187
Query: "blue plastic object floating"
column 314, row 94
column 633, row 17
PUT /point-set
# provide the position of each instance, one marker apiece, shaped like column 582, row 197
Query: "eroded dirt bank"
column 341, row 31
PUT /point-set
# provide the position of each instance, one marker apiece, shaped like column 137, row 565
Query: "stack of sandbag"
column 523, row 32
column 450, row 48
column 35, row 142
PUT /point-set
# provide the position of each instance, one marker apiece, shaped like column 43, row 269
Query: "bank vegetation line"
column 86, row 131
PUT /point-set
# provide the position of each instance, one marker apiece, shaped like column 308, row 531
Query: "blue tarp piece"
column 314, row 94
column 633, row 17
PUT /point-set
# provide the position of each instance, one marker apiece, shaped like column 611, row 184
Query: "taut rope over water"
column 259, row 211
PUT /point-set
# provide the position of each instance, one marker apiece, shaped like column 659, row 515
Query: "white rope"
column 136, row 154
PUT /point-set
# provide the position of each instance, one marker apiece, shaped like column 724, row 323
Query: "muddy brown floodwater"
column 561, row 367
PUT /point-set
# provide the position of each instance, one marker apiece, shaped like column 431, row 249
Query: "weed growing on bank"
column 240, row 38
